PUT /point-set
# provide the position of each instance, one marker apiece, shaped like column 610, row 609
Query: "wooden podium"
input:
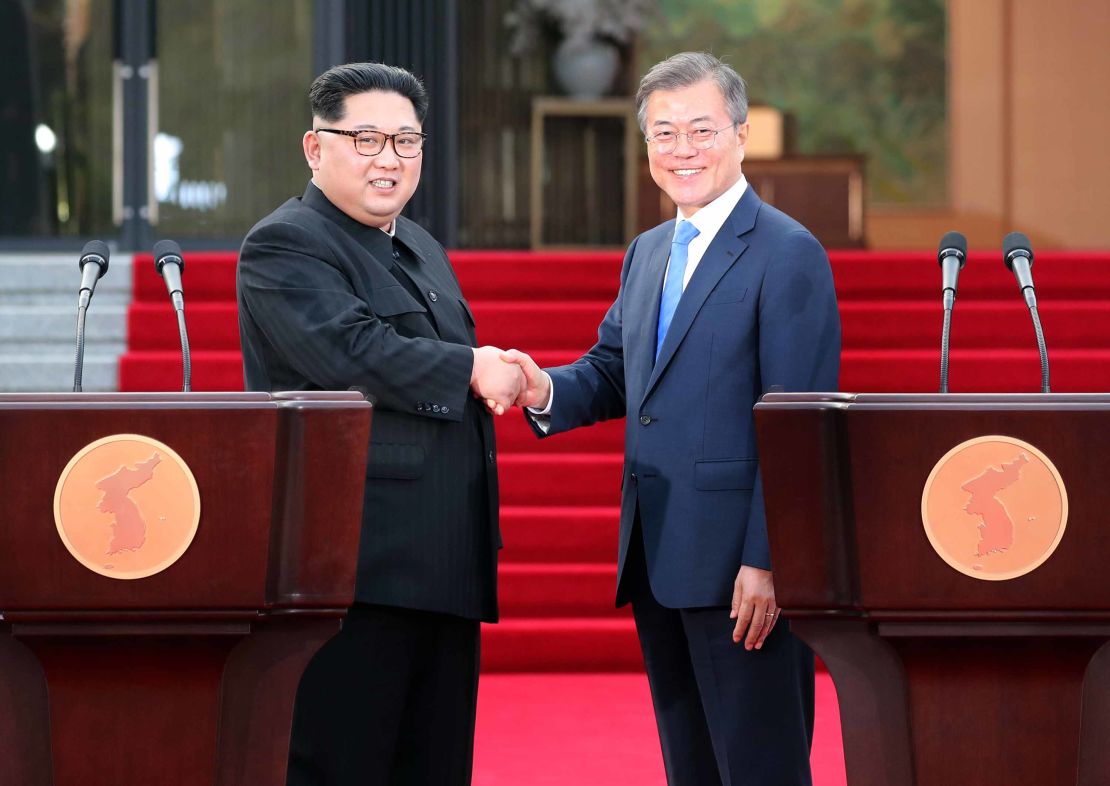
column 186, row 676
column 946, row 672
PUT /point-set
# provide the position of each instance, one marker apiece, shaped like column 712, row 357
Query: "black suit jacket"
column 324, row 305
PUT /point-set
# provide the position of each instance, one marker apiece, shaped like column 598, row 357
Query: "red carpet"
column 597, row 730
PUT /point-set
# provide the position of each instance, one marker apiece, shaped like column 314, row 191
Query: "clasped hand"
column 507, row 378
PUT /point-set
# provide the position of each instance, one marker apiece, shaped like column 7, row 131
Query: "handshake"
column 504, row 378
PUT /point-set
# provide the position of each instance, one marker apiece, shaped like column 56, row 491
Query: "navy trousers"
column 726, row 716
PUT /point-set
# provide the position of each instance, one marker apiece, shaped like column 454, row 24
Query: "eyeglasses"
column 699, row 138
column 406, row 144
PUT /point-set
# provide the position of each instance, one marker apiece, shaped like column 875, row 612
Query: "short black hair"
column 331, row 88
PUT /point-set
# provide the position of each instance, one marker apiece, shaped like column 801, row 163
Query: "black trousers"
column 389, row 701
column 726, row 716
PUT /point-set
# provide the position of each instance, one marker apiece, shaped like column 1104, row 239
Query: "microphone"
column 1018, row 256
column 952, row 255
column 1017, row 253
column 93, row 265
column 169, row 264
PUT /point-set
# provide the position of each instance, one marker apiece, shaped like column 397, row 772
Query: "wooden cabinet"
column 584, row 172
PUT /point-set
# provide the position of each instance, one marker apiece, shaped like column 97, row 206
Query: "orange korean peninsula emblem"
column 994, row 508
column 127, row 506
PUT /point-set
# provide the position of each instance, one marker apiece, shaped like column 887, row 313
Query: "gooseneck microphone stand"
column 952, row 255
column 1017, row 253
column 93, row 264
column 169, row 264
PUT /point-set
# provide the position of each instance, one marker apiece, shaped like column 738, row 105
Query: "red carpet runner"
column 560, row 496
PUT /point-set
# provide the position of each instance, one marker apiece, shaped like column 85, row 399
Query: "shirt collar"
column 712, row 217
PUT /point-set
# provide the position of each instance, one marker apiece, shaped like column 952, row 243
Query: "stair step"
column 32, row 327
column 546, row 324
column 568, row 590
column 1060, row 275
column 514, row 435
column 39, row 373
column 161, row 371
column 538, row 277
column 562, row 645
column 208, row 276
column 554, row 534
column 211, row 326
column 54, row 279
column 591, row 479
column 974, row 371
column 976, row 324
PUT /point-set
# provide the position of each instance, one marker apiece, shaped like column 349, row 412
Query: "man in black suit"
column 337, row 290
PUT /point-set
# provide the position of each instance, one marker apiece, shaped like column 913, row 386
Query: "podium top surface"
column 916, row 401
column 216, row 400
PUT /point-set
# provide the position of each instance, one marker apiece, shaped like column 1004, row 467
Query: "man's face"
column 370, row 189
column 693, row 178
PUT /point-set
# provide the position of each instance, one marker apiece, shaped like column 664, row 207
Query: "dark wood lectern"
column 186, row 676
column 945, row 678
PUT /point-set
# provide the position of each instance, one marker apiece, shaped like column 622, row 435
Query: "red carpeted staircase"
column 560, row 496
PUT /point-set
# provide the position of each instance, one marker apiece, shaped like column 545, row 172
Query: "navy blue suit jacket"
column 759, row 311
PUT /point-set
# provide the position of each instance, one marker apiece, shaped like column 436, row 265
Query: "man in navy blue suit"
column 715, row 308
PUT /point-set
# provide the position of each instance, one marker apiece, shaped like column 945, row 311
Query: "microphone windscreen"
column 167, row 248
column 1016, row 243
column 98, row 250
column 954, row 240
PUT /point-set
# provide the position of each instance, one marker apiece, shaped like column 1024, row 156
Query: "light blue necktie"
column 672, row 290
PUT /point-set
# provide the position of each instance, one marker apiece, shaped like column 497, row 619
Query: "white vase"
column 585, row 68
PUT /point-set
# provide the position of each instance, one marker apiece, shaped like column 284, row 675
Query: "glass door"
column 56, row 99
column 231, row 108
column 127, row 120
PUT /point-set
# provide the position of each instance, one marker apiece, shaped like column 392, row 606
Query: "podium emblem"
column 994, row 508
column 127, row 506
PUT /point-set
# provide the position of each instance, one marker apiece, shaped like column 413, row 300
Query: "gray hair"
column 689, row 68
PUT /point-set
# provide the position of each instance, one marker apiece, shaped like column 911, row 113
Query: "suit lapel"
column 642, row 312
column 721, row 255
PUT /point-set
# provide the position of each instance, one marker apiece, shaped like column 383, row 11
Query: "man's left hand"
column 753, row 607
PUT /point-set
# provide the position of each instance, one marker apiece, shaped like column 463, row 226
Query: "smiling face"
column 370, row 189
column 693, row 178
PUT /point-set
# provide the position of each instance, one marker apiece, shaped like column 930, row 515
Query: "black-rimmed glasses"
column 406, row 144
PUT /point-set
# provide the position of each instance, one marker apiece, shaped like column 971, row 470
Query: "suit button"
column 645, row 420
column 396, row 254
column 435, row 407
column 490, row 457
column 444, row 410
column 419, row 406
column 634, row 479
column 432, row 296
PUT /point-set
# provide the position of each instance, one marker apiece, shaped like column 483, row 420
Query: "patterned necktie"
column 672, row 290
